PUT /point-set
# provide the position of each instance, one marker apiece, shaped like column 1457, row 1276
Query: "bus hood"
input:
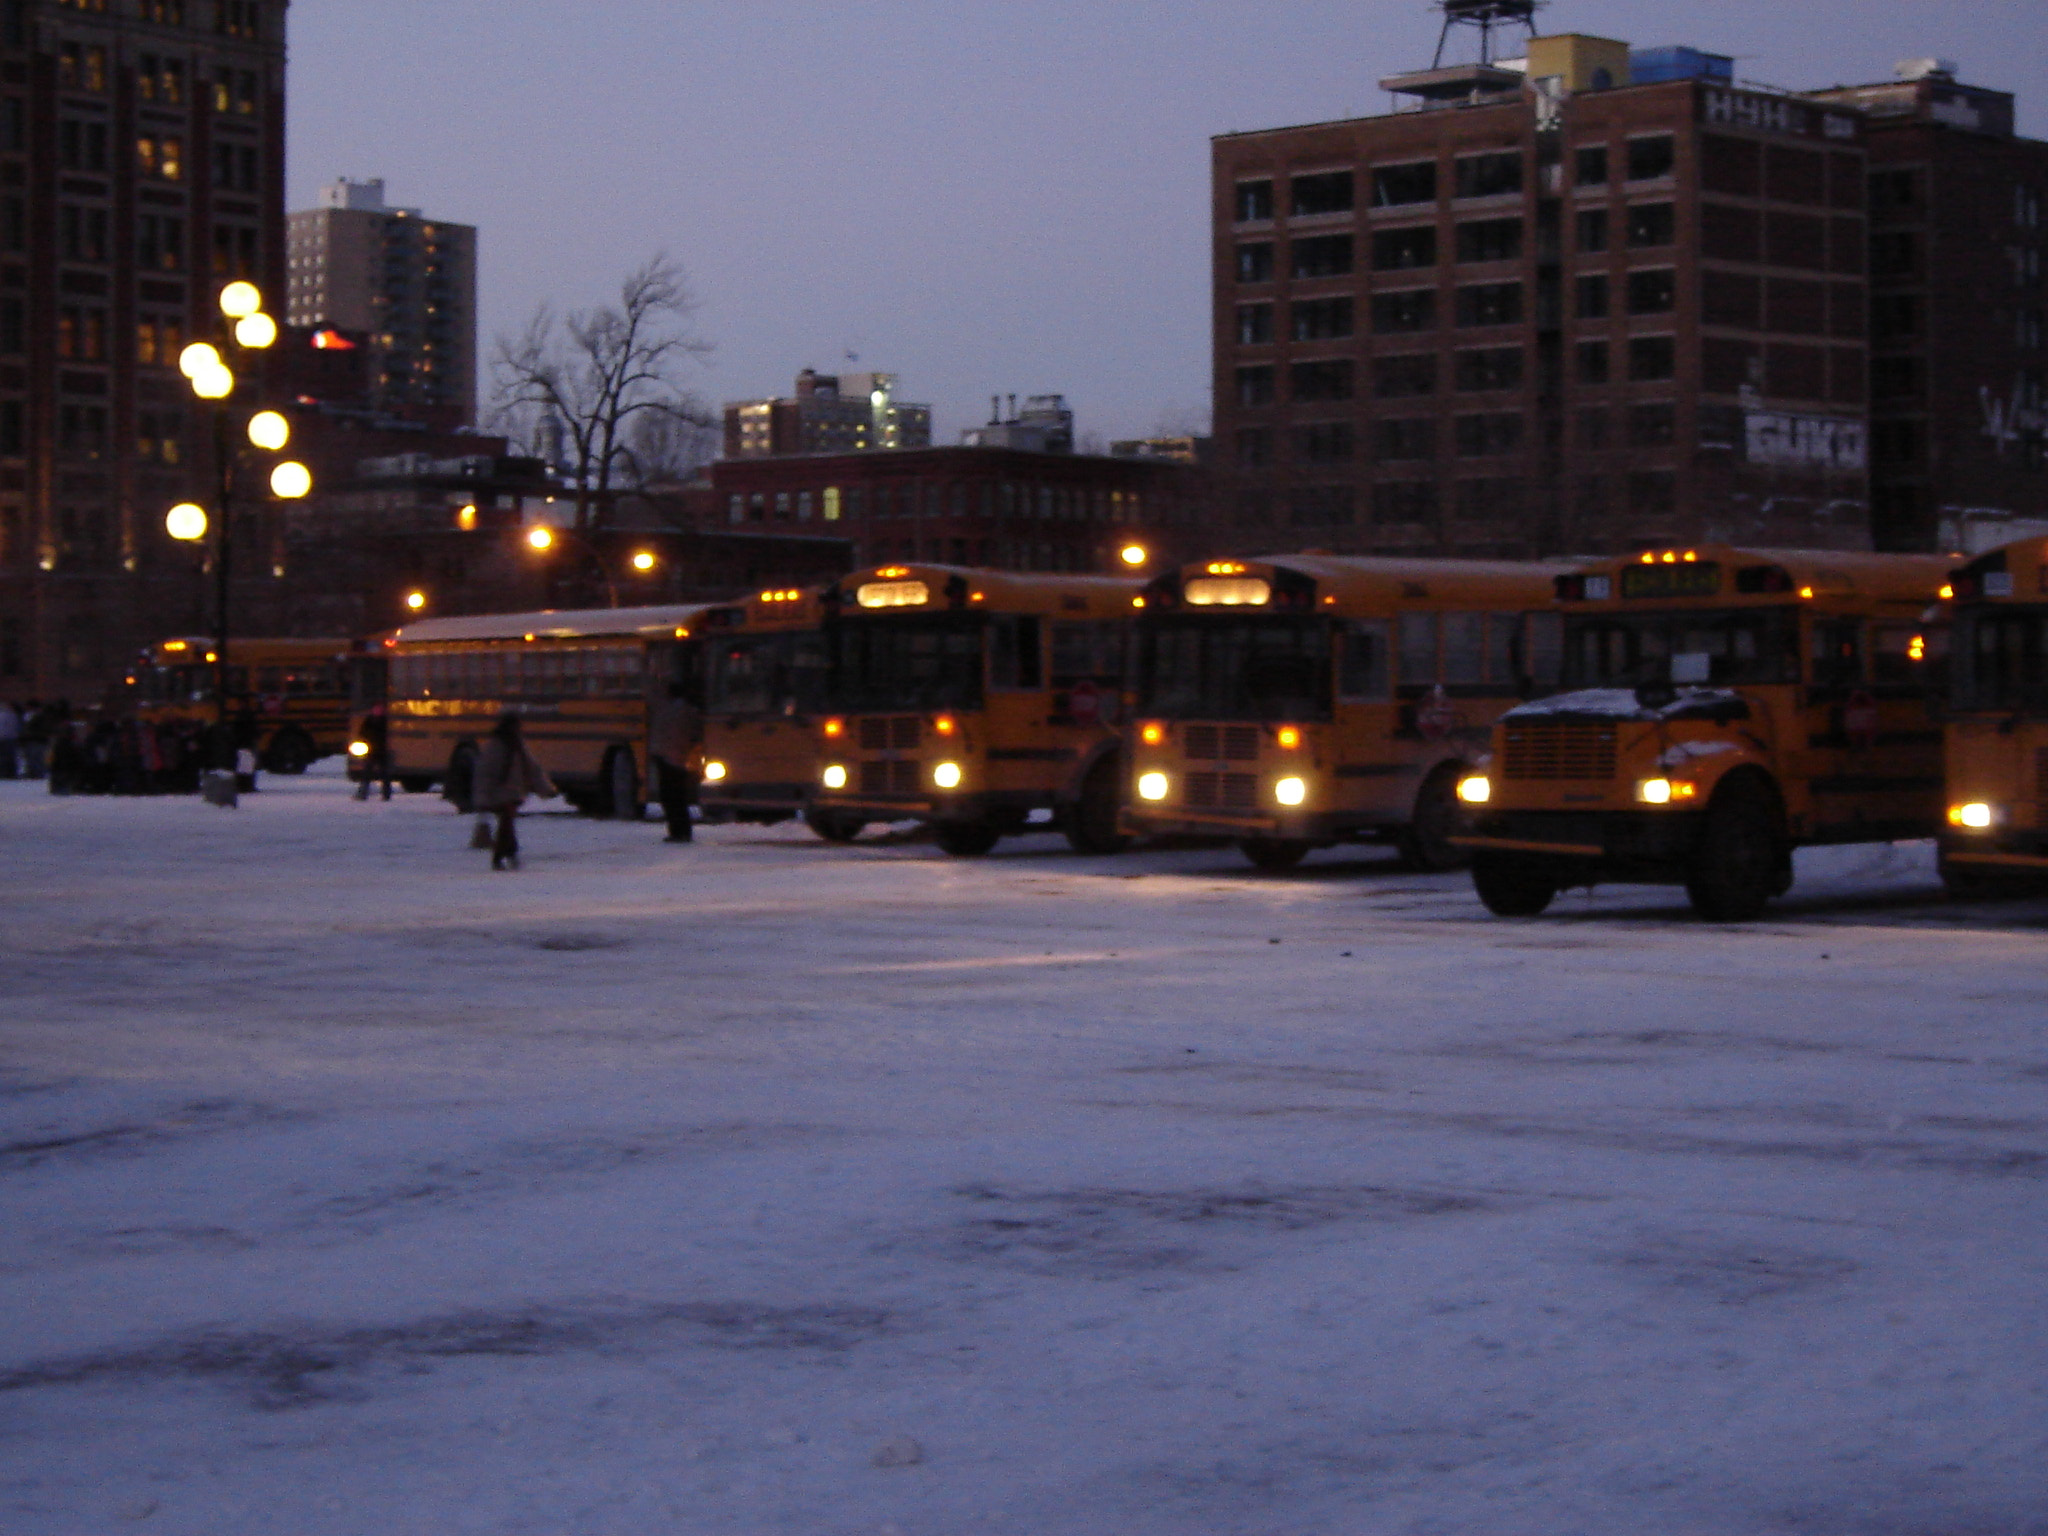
column 1622, row 704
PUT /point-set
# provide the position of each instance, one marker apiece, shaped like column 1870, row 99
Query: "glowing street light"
column 186, row 522
column 1134, row 555
column 542, row 539
column 200, row 357
column 291, row 480
column 415, row 600
column 215, row 383
column 255, row 331
column 645, row 561
column 240, row 300
column 269, row 430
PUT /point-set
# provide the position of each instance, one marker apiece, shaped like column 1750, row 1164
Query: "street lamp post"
column 542, row 539
column 248, row 329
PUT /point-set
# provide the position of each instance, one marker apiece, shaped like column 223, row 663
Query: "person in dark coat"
column 506, row 774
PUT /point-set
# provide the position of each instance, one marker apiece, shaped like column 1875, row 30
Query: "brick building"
column 1957, row 367
column 829, row 413
column 1003, row 507
column 141, row 168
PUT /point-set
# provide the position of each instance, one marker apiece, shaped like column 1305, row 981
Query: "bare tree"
column 606, row 382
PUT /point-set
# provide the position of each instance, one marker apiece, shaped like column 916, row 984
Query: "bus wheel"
column 1512, row 886
column 1740, row 861
column 289, row 752
column 622, row 786
column 1425, row 843
column 460, row 784
column 965, row 839
column 1091, row 820
column 415, row 785
column 835, row 826
column 1274, row 853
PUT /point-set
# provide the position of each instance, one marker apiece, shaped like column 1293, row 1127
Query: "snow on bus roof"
column 555, row 624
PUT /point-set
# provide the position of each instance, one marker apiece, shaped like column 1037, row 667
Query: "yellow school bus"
column 1722, row 708
column 1295, row 701
column 969, row 699
column 764, row 691
column 598, row 691
column 291, row 693
column 1996, row 836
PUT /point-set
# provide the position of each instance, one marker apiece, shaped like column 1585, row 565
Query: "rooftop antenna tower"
column 1485, row 17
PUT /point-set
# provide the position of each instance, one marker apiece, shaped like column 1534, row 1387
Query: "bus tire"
column 965, row 839
column 459, row 786
column 1739, row 864
column 622, row 787
column 415, row 784
column 1274, row 854
column 291, row 751
column 834, row 826
column 1425, row 843
column 1513, row 886
column 1091, row 820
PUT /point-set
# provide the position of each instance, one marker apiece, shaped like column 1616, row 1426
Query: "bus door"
column 1871, row 751
column 1017, row 707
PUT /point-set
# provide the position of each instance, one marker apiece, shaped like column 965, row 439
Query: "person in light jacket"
column 505, row 775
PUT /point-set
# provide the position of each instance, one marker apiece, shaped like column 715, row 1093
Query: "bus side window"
column 1464, row 647
column 1362, row 668
column 1418, row 649
column 1893, row 658
column 1015, row 662
column 1836, row 648
column 1504, row 649
column 1544, row 660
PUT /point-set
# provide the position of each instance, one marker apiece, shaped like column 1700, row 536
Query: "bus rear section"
column 971, row 699
column 287, row 698
column 1995, row 839
column 764, row 688
column 1297, row 701
column 595, row 690
column 1720, row 708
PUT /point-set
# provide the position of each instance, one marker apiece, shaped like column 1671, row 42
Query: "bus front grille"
column 884, row 777
column 1223, row 791
column 1225, row 743
column 1559, row 751
column 900, row 733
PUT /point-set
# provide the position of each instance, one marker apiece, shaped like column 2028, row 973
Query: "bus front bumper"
column 1308, row 827
column 1649, row 845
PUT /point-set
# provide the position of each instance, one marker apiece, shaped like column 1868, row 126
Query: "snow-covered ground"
column 763, row 1187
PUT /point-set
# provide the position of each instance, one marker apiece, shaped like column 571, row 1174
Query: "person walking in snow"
column 505, row 775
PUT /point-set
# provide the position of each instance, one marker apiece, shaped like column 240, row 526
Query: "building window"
column 736, row 508
column 1482, row 436
column 1652, row 158
column 1254, row 325
column 1255, row 386
column 159, row 243
column 1254, row 202
column 1653, row 493
column 1404, row 501
column 1323, row 506
column 1652, row 426
column 1488, row 500
column 1255, row 263
column 1413, row 309
column 1321, row 319
column 1894, row 253
column 82, row 145
column 1490, row 368
column 1591, row 161
column 1592, row 429
column 1653, row 293
column 81, row 233
column 832, row 504
column 13, row 326
column 1593, row 362
column 1322, row 256
column 1593, row 229
column 1592, row 295
column 1894, row 378
column 1396, row 250
column 1254, row 447
column 1495, row 175
column 1324, row 442
column 1404, row 377
column 1326, row 192
column 1652, row 357
column 1894, row 316
column 1651, row 224
column 1397, row 186
column 1490, row 304
column 1490, row 240
column 11, row 437
column 1404, row 437
column 1328, row 379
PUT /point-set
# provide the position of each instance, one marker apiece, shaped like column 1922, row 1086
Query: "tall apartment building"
column 829, row 413
column 141, row 168
column 1958, row 370
column 405, row 281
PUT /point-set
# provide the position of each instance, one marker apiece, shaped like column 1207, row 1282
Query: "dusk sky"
column 978, row 197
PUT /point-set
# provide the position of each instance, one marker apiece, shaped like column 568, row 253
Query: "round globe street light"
column 240, row 300
column 200, row 357
column 269, row 430
column 1134, row 555
column 541, row 538
column 186, row 522
column 291, row 480
column 255, row 331
column 215, row 383
column 645, row 561
column 415, row 601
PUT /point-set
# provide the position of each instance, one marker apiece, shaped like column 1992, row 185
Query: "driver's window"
column 1362, row 671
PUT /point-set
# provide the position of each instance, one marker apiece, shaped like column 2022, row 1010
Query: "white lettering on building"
column 1805, row 442
column 1769, row 114
column 2006, row 421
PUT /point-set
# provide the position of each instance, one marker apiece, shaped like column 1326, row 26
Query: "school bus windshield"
column 915, row 663
column 775, row 674
column 1240, row 667
column 1741, row 646
column 2002, row 661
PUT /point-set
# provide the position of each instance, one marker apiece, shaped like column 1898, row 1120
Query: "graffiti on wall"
column 1805, row 442
column 2008, row 420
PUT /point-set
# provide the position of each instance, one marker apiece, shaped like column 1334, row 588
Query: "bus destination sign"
column 1700, row 579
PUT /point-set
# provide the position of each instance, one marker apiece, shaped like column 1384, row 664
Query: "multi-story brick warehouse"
column 1958, row 370
column 141, row 167
column 1549, row 312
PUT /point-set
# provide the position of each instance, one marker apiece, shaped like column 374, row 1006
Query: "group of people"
column 81, row 754
column 26, row 731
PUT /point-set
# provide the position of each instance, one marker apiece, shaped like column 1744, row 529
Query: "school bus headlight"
column 1475, row 789
column 1974, row 817
column 714, row 771
column 948, row 775
column 1152, row 786
column 1666, row 791
column 359, row 749
column 1291, row 791
column 834, row 777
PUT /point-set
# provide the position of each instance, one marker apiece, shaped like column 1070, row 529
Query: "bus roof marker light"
column 1806, row 594
column 1947, row 593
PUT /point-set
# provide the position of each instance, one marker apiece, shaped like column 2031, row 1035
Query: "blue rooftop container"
column 1653, row 66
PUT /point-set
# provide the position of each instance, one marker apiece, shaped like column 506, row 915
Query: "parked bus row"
column 1685, row 716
